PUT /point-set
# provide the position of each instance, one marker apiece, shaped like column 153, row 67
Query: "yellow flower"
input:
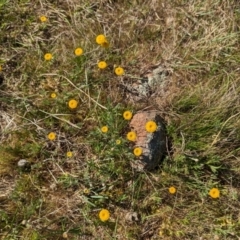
column 104, row 215
column 214, row 193
column 137, row 151
column 127, row 115
column 101, row 39
column 48, row 56
column 51, row 136
column 102, row 65
column 72, row 103
column 172, row 190
column 69, row 154
column 151, row 126
column 86, row 191
column 118, row 141
column 43, row 18
column 104, row 129
column 131, row 136
column 53, row 95
column 78, row 51
column 119, row 71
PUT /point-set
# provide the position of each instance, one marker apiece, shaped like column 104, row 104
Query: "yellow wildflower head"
column 102, row 65
column 86, row 191
column 104, row 129
column 214, row 193
column 118, row 141
column 43, row 18
column 131, row 136
column 137, row 151
column 53, row 95
column 151, row 126
column 72, row 104
column 69, row 154
column 172, row 190
column 127, row 115
column 48, row 56
column 101, row 39
column 104, row 215
column 78, row 51
column 52, row 136
column 119, row 71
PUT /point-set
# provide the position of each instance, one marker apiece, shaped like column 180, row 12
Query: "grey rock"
column 154, row 145
column 24, row 165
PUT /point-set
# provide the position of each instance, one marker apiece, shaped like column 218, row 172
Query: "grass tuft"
column 83, row 169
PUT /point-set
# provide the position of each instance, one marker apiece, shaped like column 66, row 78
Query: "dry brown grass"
column 197, row 42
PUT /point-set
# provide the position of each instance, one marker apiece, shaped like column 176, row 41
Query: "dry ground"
column 60, row 197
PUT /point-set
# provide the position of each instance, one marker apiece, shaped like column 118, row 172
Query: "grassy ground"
column 61, row 196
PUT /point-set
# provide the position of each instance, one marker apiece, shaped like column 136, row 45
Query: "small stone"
column 132, row 217
column 24, row 222
column 154, row 145
column 24, row 165
column 53, row 186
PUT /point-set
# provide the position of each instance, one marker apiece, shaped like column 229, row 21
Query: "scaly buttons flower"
column 53, row 95
column 151, row 126
column 72, row 103
column 48, row 56
column 51, row 136
column 214, row 193
column 69, row 154
column 102, row 65
column 43, row 18
column 172, row 190
column 86, row 191
column 104, row 129
column 131, row 136
column 119, row 71
column 127, row 115
column 78, row 51
column 104, row 215
column 101, row 39
column 137, row 151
